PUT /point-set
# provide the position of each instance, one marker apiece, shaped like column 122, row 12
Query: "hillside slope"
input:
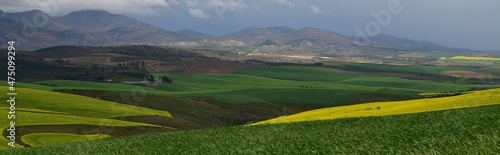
column 35, row 109
column 473, row 99
column 459, row 131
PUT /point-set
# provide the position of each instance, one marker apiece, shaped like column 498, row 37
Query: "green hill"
column 459, row 131
column 45, row 108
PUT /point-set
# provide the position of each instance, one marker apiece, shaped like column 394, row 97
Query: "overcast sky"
column 456, row 23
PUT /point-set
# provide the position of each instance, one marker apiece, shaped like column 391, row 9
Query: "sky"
column 456, row 23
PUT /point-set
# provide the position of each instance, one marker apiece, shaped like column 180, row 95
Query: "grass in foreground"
column 460, row 131
column 478, row 98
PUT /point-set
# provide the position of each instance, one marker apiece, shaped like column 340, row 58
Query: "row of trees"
column 132, row 64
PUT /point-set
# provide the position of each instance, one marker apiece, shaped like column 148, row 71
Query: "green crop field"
column 284, row 84
column 41, row 139
column 40, row 107
column 68, row 84
column 296, row 73
column 77, row 105
column 459, row 131
column 264, row 92
column 433, row 70
column 334, row 84
column 28, row 117
column 416, row 85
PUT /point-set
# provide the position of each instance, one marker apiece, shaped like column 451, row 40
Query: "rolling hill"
column 472, row 99
column 459, row 131
column 40, row 111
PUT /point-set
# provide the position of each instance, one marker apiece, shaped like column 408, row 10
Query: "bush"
column 167, row 79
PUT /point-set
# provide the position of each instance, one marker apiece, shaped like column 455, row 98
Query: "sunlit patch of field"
column 473, row 99
column 475, row 58
column 41, row 107
column 40, row 139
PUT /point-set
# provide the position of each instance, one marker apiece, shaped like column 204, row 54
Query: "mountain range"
column 35, row 30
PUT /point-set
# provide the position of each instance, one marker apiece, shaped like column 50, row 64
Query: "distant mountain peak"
column 311, row 29
column 31, row 13
column 320, row 34
column 98, row 27
column 281, row 29
column 19, row 16
column 91, row 12
column 190, row 33
column 34, row 11
column 92, row 15
column 272, row 42
column 98, row 20
column 308, row 27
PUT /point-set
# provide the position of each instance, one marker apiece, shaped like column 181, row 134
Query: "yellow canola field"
column 473, row 99
column 475, row 58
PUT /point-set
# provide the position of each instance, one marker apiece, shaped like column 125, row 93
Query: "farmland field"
column 289, row 84
column 475, row 58
column 460, row 131
column 40, row 107
column 284, row 77
column 41, row 139
column 249, row 94
column 472, row 99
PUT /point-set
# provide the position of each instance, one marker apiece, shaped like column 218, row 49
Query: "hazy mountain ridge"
column 101, row 28
column 97, row 21
column 88, row 28
column 403, row 43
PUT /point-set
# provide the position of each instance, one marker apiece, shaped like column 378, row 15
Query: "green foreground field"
column 460, row 131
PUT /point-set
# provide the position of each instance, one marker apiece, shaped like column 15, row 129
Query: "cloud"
column 229, row 5
column 61, row 7
column 315, row 9
column 198, row 8
column 198, row 13
column 285, row 2
column 173, row 2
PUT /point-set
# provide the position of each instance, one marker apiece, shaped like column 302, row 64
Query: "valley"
column 100, row 82
column 210, row 92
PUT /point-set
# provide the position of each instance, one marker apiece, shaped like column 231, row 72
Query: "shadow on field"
column 85, row 130
column 196, row 113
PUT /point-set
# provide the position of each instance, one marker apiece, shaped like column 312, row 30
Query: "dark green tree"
column 151, row 78
column 167, row 79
